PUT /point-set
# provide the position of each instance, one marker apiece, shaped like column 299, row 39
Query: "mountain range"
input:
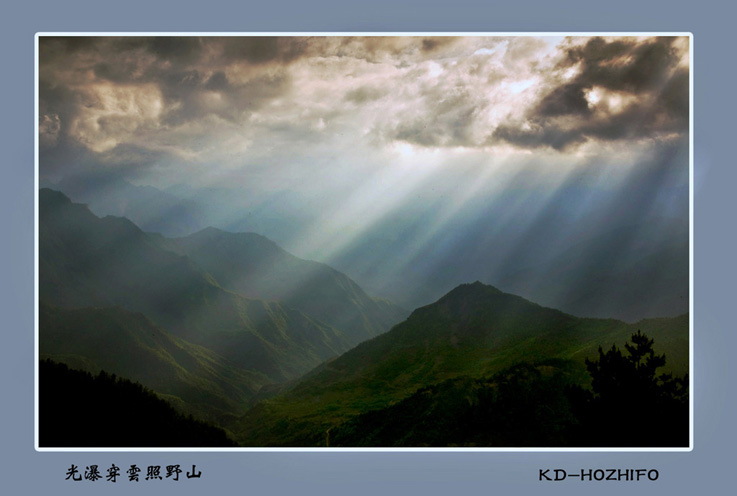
column 473, row 332
column 625, row 260
column 109, row 272
column 281, row 351
column 150, row 208
column 256, row 267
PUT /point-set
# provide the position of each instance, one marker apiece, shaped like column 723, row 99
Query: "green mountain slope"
column 129, row 345
column 256, row 267
column 526, row 405
column 523, row 406
column 87, row 261
column 474, row 331
column 149, row 208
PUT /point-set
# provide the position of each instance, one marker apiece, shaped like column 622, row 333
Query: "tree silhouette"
column 630, row 405
column 624, row 378
column 77, row 409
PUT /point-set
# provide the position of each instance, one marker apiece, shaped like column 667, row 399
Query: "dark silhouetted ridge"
column 77, row 409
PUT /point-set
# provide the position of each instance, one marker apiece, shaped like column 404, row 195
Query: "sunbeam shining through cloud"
column 554, row 167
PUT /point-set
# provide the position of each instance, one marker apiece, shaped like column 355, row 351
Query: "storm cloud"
column 203, row 101
column 625, row 89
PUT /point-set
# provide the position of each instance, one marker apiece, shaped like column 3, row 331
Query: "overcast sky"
column 205, row 104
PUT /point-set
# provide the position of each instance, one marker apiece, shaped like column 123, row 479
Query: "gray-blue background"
column 708, row 468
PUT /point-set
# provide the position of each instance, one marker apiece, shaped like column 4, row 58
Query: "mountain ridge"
column 256, row 267
column 473, row 331
column 87, row 261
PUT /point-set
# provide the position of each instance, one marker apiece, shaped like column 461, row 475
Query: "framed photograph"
column 364, row 241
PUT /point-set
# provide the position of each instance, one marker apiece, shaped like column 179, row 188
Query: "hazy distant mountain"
column 152, row 209
column 279, row 216
column 181, row 210
column 618, row 258
column 629, row 272
column 474, row 331
column 615, row 258
column 626, row 273
column 256, row 267
column 87, row 261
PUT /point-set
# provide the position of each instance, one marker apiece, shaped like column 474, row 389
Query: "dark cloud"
column 218, row 82
column 234, row 99
column 634, row 122
column 115, row 73
column 180, row 50
column 437, row 42
column 178, row 85
column 261, row 49
column 371, row 48
column 397, row 49
column 536, row 136
column 629, row 66
column 674, row 99
column 62, row 48
column 136, row 96
column 191, row 86
column 365, row 94
column 420, row 133
column 643, row 74
column 568, row 99
column 255, row 50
